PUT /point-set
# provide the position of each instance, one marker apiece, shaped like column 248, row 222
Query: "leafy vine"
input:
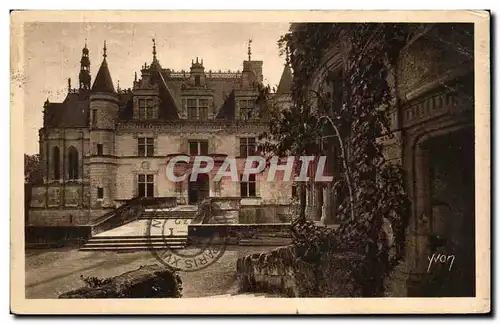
column 354, row 115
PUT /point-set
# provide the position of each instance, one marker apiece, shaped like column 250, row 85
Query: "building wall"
column 433, row 84
column 224, row 143
column 117, row 169
column 64, row 217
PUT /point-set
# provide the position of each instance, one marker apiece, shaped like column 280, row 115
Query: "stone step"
column 130, row 248
column 135, row 242
column 136, row 239
column 122, row 243
column 167, row 214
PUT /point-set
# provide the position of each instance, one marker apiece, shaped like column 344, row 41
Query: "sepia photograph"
column 245, row 160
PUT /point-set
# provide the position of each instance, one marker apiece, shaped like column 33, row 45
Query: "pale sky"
column 53, row 52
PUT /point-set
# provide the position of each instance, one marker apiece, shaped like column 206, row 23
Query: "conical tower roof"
column 103, row 81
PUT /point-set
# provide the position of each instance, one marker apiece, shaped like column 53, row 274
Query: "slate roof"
column 168, row 108
column 103, row 81
column 228, row 108
column 72, row 112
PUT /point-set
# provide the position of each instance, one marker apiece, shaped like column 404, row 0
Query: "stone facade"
column 432, row 121
column 124, row 138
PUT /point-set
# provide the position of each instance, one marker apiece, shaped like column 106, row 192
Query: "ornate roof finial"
column 249, row 50
column 85, row 42
column 69, row 84
column 118, row 86
column 154, row 50
column 202, row 61
column 197, row 60
column 135, row 76
column 104, row 51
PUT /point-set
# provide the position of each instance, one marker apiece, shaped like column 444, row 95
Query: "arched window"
column 72, row 163
column 56, row 163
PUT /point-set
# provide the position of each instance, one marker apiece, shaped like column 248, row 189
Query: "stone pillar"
column 326, row 211
column 319, row 201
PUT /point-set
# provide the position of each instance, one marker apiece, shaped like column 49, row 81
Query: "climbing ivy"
column 374, row 214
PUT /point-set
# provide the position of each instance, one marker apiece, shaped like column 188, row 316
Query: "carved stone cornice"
column 444, row 103
column 192, row 127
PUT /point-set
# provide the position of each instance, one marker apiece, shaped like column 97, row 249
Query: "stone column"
column 326, row 210
column 319, row 201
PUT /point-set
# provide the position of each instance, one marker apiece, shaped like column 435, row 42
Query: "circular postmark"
column 167, row 242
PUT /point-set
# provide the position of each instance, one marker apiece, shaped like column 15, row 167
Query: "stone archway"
column 444, row 207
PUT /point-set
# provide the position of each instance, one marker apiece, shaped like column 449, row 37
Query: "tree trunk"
column 152, row 281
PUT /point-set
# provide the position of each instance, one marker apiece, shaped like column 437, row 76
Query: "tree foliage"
column 32, row 169
column 374, row 215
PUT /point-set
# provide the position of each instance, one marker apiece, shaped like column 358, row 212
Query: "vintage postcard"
column 217, row 162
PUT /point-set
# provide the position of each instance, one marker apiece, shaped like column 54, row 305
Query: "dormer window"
column 146, row 109
column 197, row 109
column 203, row 109
column 247, row 109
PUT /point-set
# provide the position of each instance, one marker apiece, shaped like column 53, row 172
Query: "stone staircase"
column 133, row 236
column 134, row 243
column 177, row 213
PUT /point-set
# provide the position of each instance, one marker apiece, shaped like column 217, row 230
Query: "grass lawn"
column 50, row 273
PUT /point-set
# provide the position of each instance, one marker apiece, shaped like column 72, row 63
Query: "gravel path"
column 49, row 273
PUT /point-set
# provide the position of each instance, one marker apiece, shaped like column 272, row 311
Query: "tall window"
column 146, row 109
column 247, row 146
column 145, row 146
column 197, row 109
column 192, row 109
column 56, row 163
column 198, row 148
column 247, row 109
column 203, row 109
column 72, row 163
column 99, row 149
column 100, row 193
column 145, row 185
column 94, row 117
column 248, row 188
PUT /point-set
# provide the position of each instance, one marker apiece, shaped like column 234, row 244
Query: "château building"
column 103, row 146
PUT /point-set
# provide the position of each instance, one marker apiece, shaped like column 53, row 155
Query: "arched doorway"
column 199, row 189
column 445, row 198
